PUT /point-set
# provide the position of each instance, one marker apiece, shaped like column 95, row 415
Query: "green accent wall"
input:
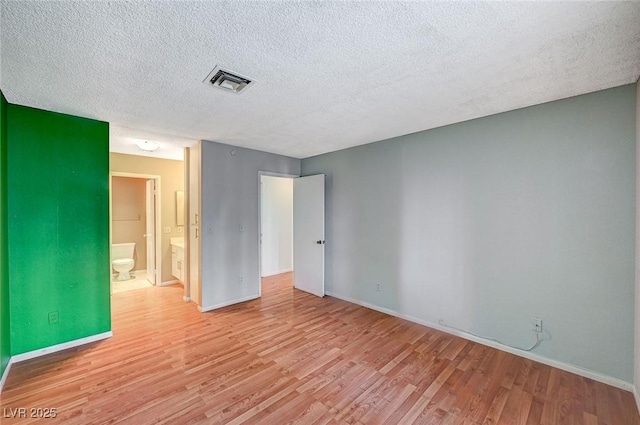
column 5, row 347
column 58, row 203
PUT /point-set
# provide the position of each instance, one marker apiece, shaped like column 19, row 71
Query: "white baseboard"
column 605, row 379
column 637, row 397
column 228, row 303
column 169, row 282
column 186, row 299
column 279, row 272
column 59, row 347
column 3, row 379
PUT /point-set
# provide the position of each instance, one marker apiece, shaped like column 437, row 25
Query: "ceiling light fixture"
column 147, row 146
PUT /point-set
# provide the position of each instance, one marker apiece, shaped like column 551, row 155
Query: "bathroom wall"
column 171, row 174
column 487, row 223
column 58, row 206
column 129, row 216
column 5, row 329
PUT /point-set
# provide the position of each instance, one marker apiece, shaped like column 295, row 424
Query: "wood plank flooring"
column 290, row 357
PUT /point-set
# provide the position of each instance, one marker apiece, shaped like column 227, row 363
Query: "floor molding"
column 605, row 379
column 3, row 379
column 227, row 303
column 59, row 347
column 279, row 272
column 169, row 282
column 637, row 398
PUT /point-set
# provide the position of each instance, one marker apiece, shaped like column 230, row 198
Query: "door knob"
column 320, row 242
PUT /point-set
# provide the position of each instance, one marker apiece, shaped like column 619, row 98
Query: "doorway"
column 291, row 230
column 276, row 225
column 134, row 210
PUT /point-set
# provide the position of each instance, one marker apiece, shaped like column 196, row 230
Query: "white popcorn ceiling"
column 329, row 75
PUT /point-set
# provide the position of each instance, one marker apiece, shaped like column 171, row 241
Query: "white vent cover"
column 227, row 80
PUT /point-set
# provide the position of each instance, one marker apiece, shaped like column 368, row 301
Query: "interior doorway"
column 291, row 230
column 134, row 211
column 276, row 225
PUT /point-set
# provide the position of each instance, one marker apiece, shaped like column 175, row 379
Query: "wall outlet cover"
column 536, row 324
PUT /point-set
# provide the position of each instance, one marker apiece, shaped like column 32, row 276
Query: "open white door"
column 308, row 234
column 150, row 231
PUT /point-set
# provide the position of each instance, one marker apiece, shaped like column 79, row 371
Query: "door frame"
column 150, row 194
column 157, row 213
column 269, row 174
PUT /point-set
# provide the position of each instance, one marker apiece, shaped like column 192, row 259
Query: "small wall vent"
column 228, row 80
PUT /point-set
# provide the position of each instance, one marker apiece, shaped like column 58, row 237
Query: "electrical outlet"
column 378, row 287
column 536, row 324
column 241, row 280
column 179, row 229
column 53, row 317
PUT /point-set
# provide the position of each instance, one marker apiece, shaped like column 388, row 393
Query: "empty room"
column 319, row 212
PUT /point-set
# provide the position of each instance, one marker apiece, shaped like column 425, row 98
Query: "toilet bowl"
column 122, row 259
column 123, row 266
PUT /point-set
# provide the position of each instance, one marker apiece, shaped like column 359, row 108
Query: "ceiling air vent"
column 227, row 80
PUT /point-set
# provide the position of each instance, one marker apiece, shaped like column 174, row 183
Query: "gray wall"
column 637, row 297
column 489, row 222
column 230, row 215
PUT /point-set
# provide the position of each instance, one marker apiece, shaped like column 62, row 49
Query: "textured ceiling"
column 329, row 75
column 123, row 140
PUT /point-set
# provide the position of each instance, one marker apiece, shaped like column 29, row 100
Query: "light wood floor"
column 293, row 358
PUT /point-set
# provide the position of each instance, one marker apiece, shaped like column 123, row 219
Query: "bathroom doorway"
column 135, row 231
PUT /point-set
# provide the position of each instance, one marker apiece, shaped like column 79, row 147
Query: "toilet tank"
column 122, row 250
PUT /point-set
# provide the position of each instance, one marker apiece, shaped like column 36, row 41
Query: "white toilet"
column 122, row 259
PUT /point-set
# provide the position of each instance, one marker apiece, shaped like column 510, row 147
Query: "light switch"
column 167, row 229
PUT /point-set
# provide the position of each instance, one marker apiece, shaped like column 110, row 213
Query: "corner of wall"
column 5, row 340
column 5, row 374
column 636, row 357
column 637, row 397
